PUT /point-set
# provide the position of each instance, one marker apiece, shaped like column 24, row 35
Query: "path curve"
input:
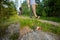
column 44, row 21
column 50, row 22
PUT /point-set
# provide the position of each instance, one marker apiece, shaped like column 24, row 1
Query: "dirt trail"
column 50, row 22
column 44, row 21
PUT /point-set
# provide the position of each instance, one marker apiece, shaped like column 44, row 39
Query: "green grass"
column 45, row 26
column 14, row 36
column 31, row 22
column 55, row 19
column 6, row 23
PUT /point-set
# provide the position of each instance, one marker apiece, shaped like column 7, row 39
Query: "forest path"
column 44, row 21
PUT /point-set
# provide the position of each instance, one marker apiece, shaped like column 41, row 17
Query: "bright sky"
column 18, row 3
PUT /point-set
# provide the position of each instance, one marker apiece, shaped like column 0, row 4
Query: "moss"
column 14, row 36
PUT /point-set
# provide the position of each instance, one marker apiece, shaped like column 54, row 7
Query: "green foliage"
column 43, row 13
column 49, row 8
column 2, row 30
column 25, row 9
column 33, row 23
column 4, row 25
column 55, row 19
column 55, row 30
column 45, row 8
column 53, row 7
column 14, row 36
column 7, row 9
